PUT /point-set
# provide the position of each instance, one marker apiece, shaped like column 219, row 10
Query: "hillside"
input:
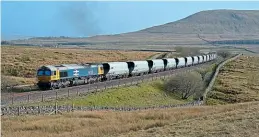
column 213, row 22
column 194, row 30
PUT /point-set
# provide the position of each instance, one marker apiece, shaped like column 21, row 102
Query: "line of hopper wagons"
column 66, row 75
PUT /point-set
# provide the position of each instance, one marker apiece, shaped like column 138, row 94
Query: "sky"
column 21, row 19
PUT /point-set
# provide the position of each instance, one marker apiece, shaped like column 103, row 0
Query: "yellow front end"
column 54, row 76
column 44, row 78
column 100, row 70
column 47, row 76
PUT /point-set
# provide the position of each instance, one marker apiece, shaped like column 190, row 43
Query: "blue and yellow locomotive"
column 51, row 77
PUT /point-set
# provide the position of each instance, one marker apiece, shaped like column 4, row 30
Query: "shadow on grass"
column 161, row 87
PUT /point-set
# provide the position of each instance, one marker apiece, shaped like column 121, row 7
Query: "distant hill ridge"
column 202, row 28
column 212, row 22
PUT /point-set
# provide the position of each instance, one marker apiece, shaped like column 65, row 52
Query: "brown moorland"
column 228, row 120
column 238, row 81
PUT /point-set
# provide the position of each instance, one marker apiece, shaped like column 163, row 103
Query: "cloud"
column 80, row 17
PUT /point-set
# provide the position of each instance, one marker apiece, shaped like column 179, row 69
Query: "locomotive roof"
column 52, row 68
column 74, row 66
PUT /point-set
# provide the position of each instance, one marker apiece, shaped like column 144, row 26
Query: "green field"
column 141, row 95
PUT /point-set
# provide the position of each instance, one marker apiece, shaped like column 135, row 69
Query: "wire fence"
column 57, row 109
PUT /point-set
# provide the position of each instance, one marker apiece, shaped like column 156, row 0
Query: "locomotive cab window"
column 54, row 73
column 40, row 73
column 47, row 73
column 44, row 73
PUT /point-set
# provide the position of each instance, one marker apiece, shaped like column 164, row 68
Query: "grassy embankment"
column 238, row 81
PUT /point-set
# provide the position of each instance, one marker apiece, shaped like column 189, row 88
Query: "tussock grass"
column 233, row 120
column 238, row 81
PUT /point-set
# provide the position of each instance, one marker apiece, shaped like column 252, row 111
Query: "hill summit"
column 212, row 22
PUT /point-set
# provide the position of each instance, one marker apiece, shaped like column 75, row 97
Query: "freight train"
column 66, row 75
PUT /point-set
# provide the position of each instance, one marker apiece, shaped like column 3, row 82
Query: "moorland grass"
column 229, row 120
column 238, row 81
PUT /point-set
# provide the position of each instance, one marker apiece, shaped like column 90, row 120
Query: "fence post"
column 56, row 107
column 42, row 99
column 39, row 109
column 56, row 95
column 18, row 110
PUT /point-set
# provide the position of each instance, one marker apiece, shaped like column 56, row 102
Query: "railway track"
column 37, row 96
